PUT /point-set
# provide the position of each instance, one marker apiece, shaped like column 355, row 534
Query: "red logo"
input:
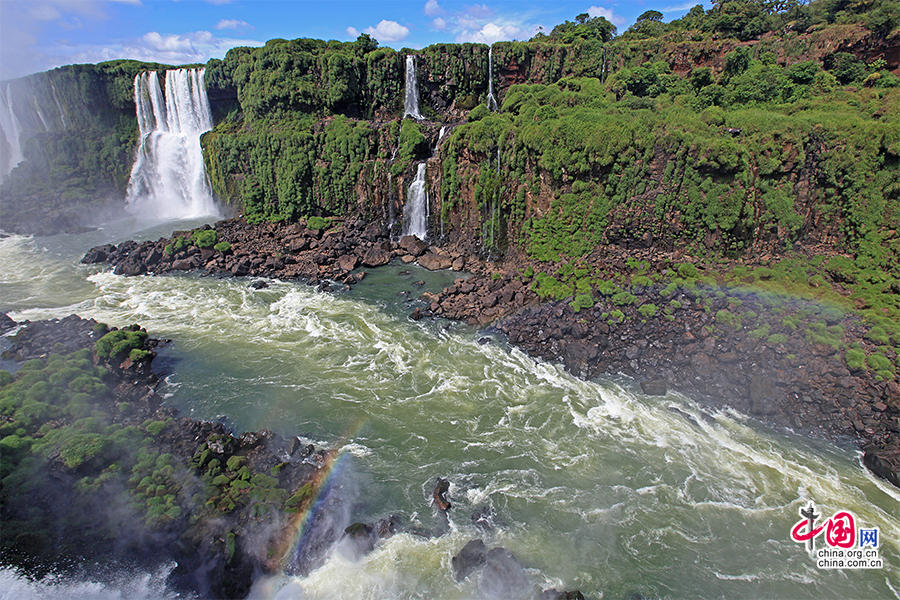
column 840, row 529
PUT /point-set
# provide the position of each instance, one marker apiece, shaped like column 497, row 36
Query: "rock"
column 359, row 539
column 441, row 488
column 504, row 576
column 347, row 262
column 416, row 315
column 130, row 267
column 376, row 257
column 297, row 244
column 241, row 268
column 6, row 323
column 458, row 264
column 553, row 594
column 98, row 254
column 259, row 284
column 654, row 388
column 183, row 264
column 434, row 262
column 472, row 556
column 413, row 245
column 883, row 463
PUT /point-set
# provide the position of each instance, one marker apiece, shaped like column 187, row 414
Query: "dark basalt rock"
column 441, row 489
column 504, row 576
column 472, row 557
column 553, row 594
column 654, row 388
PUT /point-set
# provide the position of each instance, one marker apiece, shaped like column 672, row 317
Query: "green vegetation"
column 120, row 342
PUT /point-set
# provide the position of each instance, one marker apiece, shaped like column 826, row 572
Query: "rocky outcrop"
column 277, row 250
column 229, row 489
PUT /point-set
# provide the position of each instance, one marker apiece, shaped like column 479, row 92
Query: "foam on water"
column 138, row 585
column 598, row 486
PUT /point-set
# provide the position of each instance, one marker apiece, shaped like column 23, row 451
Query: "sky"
column 37, row 35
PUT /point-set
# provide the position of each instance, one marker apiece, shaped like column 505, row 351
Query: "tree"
column 650, row 15
column 584, row 28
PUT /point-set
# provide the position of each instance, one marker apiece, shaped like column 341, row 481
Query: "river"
column 591, row 484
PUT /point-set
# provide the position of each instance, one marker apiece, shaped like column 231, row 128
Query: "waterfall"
column 62, row 114
column 411, row 102
column 439, row 138
column 168, row 179
column 491, row 102
column 416, row 209
column 12, row 132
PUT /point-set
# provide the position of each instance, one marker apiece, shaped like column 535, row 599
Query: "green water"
column 594, row 485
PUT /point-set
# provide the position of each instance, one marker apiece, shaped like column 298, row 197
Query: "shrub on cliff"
column 204, row 238
column 119, row 342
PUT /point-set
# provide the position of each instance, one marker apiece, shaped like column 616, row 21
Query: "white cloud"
column 353, row 32
column 388, row 31
column 491, row 33
column 468, row 22
column 599, row 11
column 45, row 12
column 233, row 24
column 433, row 9
column 480, row 11
column 439, row 24
column 679, row 7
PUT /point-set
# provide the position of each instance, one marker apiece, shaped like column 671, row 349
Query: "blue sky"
column 36, row 35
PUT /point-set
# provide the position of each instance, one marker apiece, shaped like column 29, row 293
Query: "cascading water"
column 440, row 137
column 491, row 101
column 12, row 133
column 168, row 179
column 411, row 101
column 416, row 210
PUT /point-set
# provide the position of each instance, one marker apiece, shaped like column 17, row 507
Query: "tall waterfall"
column 491, row 102
column 411, row 101
column 12, row 133
column 416, row 209
column 168, row 179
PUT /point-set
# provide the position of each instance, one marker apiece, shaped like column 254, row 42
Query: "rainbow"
column 299, row 524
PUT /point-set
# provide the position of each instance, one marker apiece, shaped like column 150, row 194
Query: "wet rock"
column 130, row 267
column 654, row 388
column 259, row 284
column 413, row 245
column 376, row 257
column 441, row 489
column 6, row 323
column 241, row 268
column 359, row 539
column 472, row 556
column 98, row 254
column 553, row 594
column 416, row 315
column 504, row 576
column 347, row 262
column 435, row 262
column 883, row 462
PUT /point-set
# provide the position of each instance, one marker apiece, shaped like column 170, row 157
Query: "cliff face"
column 724, row 145
column 68, row 141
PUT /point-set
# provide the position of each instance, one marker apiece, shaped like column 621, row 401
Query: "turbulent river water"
column 593, row 485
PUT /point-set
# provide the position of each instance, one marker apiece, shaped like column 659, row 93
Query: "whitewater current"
column 592, row 485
